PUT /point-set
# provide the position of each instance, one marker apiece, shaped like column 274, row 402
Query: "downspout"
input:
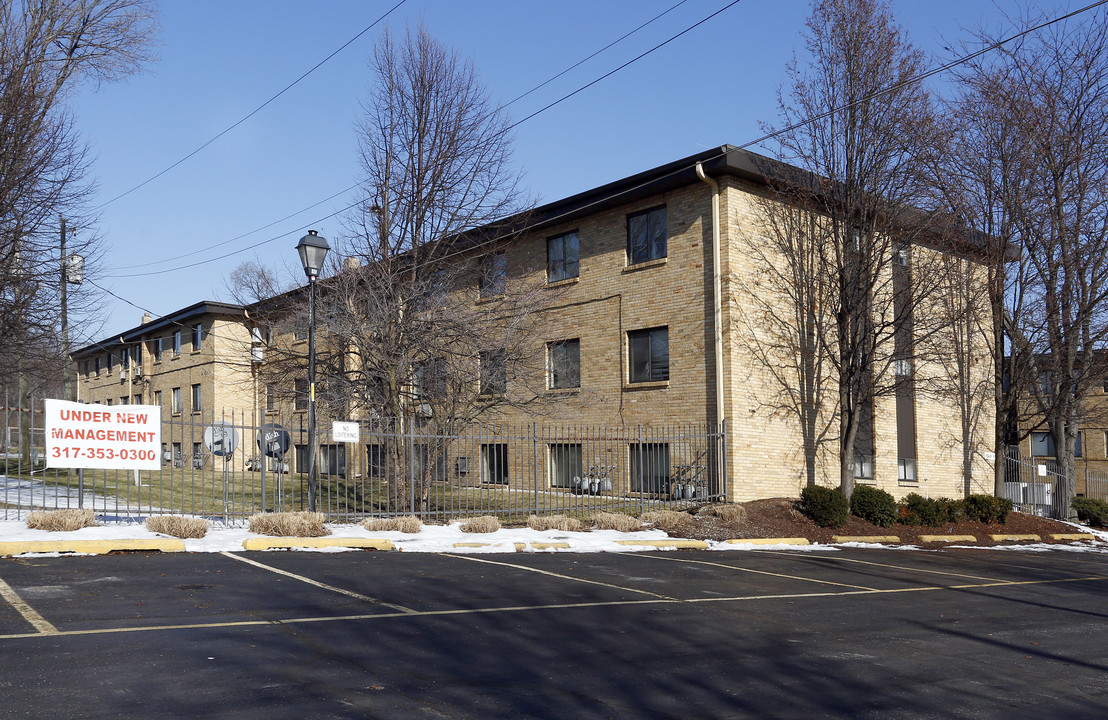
column 717, row 300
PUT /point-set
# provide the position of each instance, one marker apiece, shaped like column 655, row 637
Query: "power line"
column 590, row 57
column 629, row 62
column 256, row 110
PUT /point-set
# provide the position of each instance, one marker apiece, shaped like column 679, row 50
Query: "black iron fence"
column 434, row 470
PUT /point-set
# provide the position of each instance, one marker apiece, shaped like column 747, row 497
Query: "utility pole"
column 66, row 383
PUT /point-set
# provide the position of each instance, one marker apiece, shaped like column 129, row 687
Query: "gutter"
column 717, row 286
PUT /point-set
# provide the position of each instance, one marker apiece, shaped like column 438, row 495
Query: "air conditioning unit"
column 424, row 410
column 138, row 371
column 122, row 376
column 257, row 353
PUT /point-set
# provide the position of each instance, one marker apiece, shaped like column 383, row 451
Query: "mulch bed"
column 779, row 518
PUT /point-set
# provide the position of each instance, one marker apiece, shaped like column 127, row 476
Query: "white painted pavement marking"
column 564, row 577
column 756, row 572
column 316, row 583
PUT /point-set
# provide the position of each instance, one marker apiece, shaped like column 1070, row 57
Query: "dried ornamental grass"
column 665, row 519
column 289, row 524
column 616, row 521
column 406, row 524
column 61, row 520
column 482, row 524
column 554, row 522
column 728, row 512
column 177, row 526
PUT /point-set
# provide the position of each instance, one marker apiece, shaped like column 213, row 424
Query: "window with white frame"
column 565, row 464
column 175, row 400
column 196, row 398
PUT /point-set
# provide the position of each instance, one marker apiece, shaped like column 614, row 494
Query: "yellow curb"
column 768, row 541
column 676, row 544
column 473, row 544
column 273, row 543
column 90, row 547
column 1073, row 536
column 522, row 546
column 865, row 538
column 947, row 538
column 1015, row 538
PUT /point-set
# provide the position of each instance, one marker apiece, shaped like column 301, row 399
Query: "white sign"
column 990, row 456
column 124, row 437
column 344, row 431
column 1042, row 471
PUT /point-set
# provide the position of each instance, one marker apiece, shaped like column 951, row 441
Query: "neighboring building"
column 1091, row 454
column 630, row 343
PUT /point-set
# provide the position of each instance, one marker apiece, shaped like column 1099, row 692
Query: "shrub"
column 616, row 521
column 1090, row 511
column 932, row 512
column 988, row 509
column 61, row 520
column 876, row 506
column 481, row 524
column 665, row 519
column 728, row 512
column 828, row 507
column 554, row 522
column 289, row 524
column 177, row 526
column 405, row 524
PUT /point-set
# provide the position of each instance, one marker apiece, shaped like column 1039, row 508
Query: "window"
column 108, row 401
column 906, row 470
column 196, row 398
column 562, row 257
column 125, row 358
column 493, row 278
column 197, row 335
column 494, row 463
column 1042, row 445
column 178, row 461
column 300, row 332
column 428, row 380
column 157, row 349
column 270, row 397
column 649, row 354
column 564, row 360
column 175, row 400
column 863, row 465
column 97, row 364
column 300, row 387
column 1077, row 446
column 138, row 353
column 565, row 464
column 649, row 467
column 494, row 372
column 88, row 368
column 177, row 343
column 646, row 235
column 158, row 398
column 123, row 400
column 111, row 361
column 375, row 461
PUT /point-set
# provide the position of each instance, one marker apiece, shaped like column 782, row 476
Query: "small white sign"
column 1042, row 471
column 126, row 437
column 344, row 431
column 990, row 456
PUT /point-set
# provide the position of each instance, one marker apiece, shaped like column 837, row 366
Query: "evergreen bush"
column 988, row 509
column 932, row 512
column 1091, row 511
column 828, row 507
column 874, row 505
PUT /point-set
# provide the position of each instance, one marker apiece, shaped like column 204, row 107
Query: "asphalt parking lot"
column 852, row 633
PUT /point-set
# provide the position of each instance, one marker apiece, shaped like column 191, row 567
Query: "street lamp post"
column 313, row 249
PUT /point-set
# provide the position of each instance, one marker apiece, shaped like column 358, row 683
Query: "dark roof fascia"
column 204, row 307
column 724, row 160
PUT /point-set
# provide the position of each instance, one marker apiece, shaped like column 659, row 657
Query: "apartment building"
column 650, row 281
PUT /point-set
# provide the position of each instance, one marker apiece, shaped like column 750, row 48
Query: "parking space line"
column 564, row 577
column 38, row 622
column 756, row 572
column 886, row 565
column 531, row 608
column 316, row 583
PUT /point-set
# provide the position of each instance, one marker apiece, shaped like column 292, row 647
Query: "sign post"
column 221, row 438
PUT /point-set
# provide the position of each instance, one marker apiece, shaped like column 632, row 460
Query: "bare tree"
column 423, row 320
column 49, row 48
column 867, row 138
column 1046, row 100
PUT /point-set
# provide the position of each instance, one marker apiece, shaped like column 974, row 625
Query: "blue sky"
column 220, row 60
